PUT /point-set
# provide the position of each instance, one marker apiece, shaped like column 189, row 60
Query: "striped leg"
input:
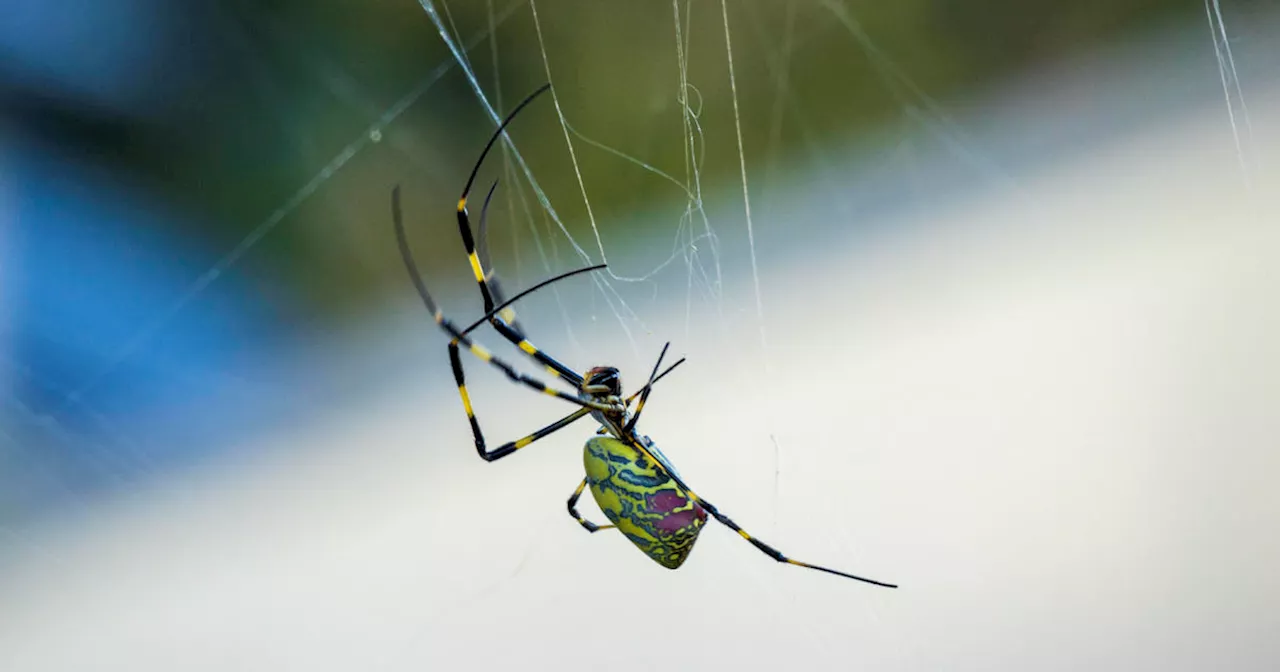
column 644, row 395
column 573, row 510
column 502, row 451
column 491, row 276
column 515, row 376
column 477, row 268
column 771, row 551
column 511, row 446
column 458, row 338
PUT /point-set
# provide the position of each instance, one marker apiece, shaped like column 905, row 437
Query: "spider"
column 635, row 485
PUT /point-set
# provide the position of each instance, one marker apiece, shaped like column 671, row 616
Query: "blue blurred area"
column 91, row 254
column 85, row 271
column 90, row 269
column 101, row 55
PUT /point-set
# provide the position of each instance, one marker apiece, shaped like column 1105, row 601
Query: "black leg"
column 482, row 250
column 771, row 551
column 573, row 510
column 477, row 268
column 644, row 395
column 458, row 338
column 507, row 448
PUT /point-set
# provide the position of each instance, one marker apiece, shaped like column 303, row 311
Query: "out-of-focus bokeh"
column 976, row 297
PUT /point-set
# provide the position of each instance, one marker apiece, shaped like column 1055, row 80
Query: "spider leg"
column 455, row 361
column 769, row 550
column 491, row 275
column 511, row 446
column 644, row 395
column 459, row 338
column 508, row 332
column 573, row 510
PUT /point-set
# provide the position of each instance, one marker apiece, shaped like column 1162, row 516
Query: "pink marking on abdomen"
column 666, row 501
column 678, row 521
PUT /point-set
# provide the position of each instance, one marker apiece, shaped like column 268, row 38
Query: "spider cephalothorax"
column 635, row 485
column 603, row 381
column 603, row 384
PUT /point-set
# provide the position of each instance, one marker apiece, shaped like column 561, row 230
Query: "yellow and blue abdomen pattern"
column 642, row 500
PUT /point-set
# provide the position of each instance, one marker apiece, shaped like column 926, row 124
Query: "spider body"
column 633, row 483
column 642, row 500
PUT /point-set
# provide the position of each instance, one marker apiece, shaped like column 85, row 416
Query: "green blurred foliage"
column 295, row 82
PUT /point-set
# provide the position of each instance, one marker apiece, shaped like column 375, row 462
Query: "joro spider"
column 634, row 484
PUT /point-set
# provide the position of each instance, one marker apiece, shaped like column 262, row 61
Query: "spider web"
column 702, row 267
column 700, row 234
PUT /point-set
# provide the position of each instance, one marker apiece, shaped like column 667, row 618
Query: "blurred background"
column 978, row 297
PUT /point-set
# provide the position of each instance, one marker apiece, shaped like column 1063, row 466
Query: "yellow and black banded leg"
column 550, row 363
column 573, row 510
column 477, row 268
column 515, row 376
column 507, row 448
column 457, row 336
column 644, row 394
column 771, row 551
column 491, row 275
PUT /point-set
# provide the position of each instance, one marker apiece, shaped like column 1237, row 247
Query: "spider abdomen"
column 639, row 496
